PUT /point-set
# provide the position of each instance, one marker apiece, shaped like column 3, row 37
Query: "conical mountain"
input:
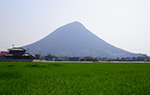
column 75, row 40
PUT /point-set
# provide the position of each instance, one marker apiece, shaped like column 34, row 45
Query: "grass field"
column 19, row 78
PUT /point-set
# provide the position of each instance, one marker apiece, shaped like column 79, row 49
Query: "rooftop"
column 17, row 49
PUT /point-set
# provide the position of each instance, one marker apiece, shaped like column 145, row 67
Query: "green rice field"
column 27, row 78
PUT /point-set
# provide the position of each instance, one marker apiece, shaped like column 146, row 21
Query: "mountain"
column 75, row 40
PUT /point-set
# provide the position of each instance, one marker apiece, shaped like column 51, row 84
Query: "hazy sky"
column 122, row 23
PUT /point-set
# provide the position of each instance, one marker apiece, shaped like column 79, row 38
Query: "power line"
column 4, row 43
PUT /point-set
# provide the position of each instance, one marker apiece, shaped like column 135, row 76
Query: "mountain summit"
column 75, row 40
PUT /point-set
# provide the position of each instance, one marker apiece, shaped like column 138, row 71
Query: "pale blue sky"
column 122, row 23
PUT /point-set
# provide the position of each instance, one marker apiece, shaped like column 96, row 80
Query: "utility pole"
column 27, row 50
column 13, row 45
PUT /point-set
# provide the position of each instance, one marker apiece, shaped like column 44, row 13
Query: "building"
column 74, row 58
column 18, row 53
column 90, row 58
column 50, row 57
column 4, row 53
column 61, row 59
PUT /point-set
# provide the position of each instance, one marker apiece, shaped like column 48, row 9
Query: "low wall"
column 16, row 60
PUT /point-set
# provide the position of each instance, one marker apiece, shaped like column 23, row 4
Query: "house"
column 61, row 59
column 50, row 57
column 74, row 58
column 18, row 53
column 4, row 53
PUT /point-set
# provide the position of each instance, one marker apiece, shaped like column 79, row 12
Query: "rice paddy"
column 27, row 78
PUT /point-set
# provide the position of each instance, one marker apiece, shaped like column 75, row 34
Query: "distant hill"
column 75, row 40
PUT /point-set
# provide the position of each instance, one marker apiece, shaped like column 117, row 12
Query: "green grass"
column 20, row 78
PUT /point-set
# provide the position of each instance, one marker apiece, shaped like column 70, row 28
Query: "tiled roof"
column 17, row 49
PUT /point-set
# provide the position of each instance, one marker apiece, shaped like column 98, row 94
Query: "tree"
column 38, row 56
